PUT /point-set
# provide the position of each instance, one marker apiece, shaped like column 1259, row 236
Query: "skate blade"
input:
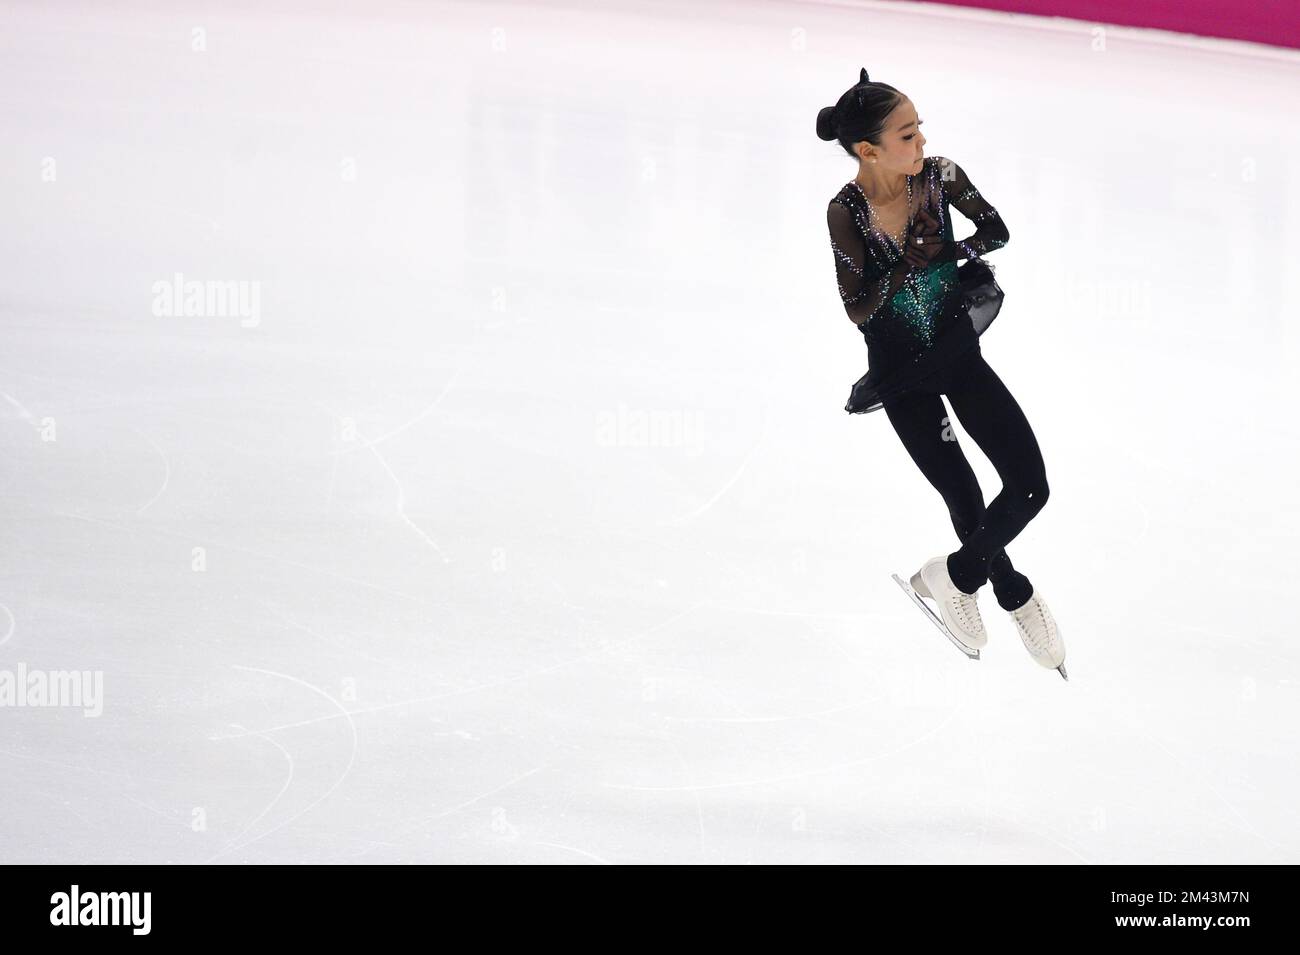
column 934, row 618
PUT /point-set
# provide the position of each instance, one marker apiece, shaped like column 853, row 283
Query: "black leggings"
column 991, row 416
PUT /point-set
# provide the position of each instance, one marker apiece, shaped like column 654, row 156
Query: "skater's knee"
column 1036, row 495
column 1029, row 495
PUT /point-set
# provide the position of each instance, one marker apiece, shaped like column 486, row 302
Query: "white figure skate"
column 1040, row 634
column 958, row 616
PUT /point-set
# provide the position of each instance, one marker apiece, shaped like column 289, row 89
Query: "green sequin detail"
column 918, row 303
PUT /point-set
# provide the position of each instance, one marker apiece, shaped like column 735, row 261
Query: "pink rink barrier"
column 1275, row 22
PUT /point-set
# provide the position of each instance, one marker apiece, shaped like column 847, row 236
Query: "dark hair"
column 860, row 114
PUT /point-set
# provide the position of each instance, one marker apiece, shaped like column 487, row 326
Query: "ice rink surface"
column 509, row 512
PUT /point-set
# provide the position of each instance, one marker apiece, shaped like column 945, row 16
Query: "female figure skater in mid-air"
column 896, row 263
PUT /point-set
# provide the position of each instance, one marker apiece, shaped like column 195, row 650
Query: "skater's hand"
column 924, row 242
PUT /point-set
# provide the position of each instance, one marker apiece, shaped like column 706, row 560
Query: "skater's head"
column 877, row 125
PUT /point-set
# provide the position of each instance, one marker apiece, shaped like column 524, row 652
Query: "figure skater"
column 896, row 265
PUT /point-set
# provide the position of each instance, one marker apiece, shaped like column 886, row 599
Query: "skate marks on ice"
column 797, row 775
column 726, row 486
column 239, row 841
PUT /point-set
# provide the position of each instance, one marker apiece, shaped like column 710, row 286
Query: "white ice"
column 523, row 521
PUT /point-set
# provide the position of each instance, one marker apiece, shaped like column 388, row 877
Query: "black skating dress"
column 913, row 318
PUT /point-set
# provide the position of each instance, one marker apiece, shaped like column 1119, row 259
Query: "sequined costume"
column 911, row 317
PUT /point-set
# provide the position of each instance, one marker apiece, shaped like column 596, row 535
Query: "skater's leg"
column 1011, row 588
column 991, row 415
column 922, row 423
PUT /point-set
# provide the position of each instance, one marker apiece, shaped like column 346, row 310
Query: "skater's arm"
column 865, row 281
column 990, row 231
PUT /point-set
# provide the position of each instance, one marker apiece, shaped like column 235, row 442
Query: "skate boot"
column 959, row 611
column 1039, row 633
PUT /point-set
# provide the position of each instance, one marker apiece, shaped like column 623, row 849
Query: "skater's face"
column 902, row 147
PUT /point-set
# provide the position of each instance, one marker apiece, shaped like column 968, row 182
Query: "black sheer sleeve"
column 865, row 282
column 990, row 231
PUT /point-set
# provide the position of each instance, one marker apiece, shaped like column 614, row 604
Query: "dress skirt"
column 896, row 370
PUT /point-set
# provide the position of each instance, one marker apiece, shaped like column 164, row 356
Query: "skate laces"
column 968, row 610
column 1035, row 625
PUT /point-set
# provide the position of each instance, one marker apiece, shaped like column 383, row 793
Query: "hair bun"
column 827, row 120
